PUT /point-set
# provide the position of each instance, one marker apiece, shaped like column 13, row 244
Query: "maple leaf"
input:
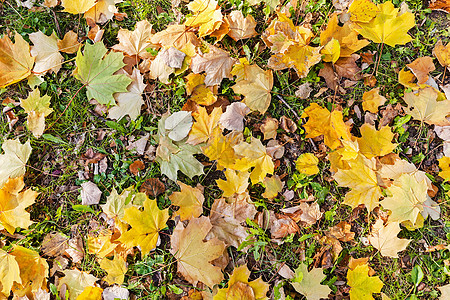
column 233, row 117
column 363, row 11
column 9, row 272
column 77, row 281
column 69, row 44
column 91, row 293
column 239, row 286
column 307, row 163
column 362, row 179
column 442, row 53
column 101, row 246
column 116, row 269
column 372, row 99
column 240, row 27
column 444, row 164
column 362, row 286
column 254, row 155
column 77, row 6
column 226, row 219
column 184, row 161
column 331, row 51
column 102, row 11
column 290, row 45
column 130, row 102
column 424, row 105
column 220, row 148
column 256, row 88
column 46, row 52
column 190, row 200
column 375, row 143
column 408, row 196
column 14, row 160
column 206, row 16
column 95, row 70
column 421, row 67
column 116, row 204
column 193, row 255
column 308, row 283
column 145, row 226
column 33, row 271
column 204, row 125
column 389, row 26
column 16, row 61
column 13, row 203
column 136, row 42
column 330, row 125
column 178, row 125
column 385, row 239
column 269, row 128
column 305, row 213
column 273, row 185
column 203, row 95
column 159, row 69
column 37, row 108
column 175, row 35
column 216, row 64
column 236, row 183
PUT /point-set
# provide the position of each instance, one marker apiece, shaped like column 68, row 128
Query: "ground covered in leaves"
column 224, row 149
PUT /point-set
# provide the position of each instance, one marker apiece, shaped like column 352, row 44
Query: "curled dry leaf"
column 421, row 67
column 305, row 213
column 288, row 125
column 136, row 167
column 269, row 128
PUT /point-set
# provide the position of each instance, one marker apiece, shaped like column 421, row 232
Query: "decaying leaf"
column 442, row 53
column 240, row 27
column 233, row 117
column 46, row 52
column 421, row 67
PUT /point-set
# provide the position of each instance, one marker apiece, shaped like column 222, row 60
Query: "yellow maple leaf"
column 203, row 95
column 254, row 155
column 372, row 99
column 145, row 226
column 192, row 81
column 33, row 271
column 389, row 26
column 362, row 286
column 77, row 6
column 13, row 203
column 91, row 293
column 375, row 143
column 190, row 200
column 239, row 69
column 384, row 238
column 240, row 27
column 175, row 36
column 220, row 148
column 16, row 61
column 444, row 164
column 102, row 11
column 408, row 196
column 101, row 245
column 362, row 179
column 442, row 53
column 331, row 51
column 239, row 286
column 13, row 161
column 193, row 255
column 290, row 45
column 9, row 272
column 116, row 269
column 429, row 106
column 207, row 16
column 37, row 108
column 204, row 125
column 363, row 11
column 77, row 281
column 307, row 163
column 330, row 125
column 236, row 183
column 137, row 41
column 407, row 78
column 273, row 185
column 255, row 87
column 308, row 284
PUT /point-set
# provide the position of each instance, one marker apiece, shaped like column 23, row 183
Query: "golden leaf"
column 375, row 143
column 77, row 6
column 362, row 286
column 372, row 99
column 306, row 163
column 425, row 106
column 116, row 269
column 442, row 53
column 190, row 200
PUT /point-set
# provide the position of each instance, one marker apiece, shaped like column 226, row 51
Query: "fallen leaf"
column 233, row 117
column 239, row 286
column 96, row 71
column 240, row 27
column 37, row 108
column 424, row 106
column 145, row 226
column 173, row 57
column 445, row 292
column 362, row 286
column 220, row 148
column 136, row 167
column 375, row 143
column 193, row 255
column 102, row 11
column 273, row 185
column 9, row 272
column 269, row 128
column 77, row 6
column 152, row 187
column 159, row 69
column 389, row 26
column 442, row 53
column 116, row 269
column 131, row 101
column 303, row 91
column 385, row 239
column 115, row 292
column 444, row 164
column 281, row 226
column 46, row 53
column 204, row 125
column 307, row 163
column 76, row 282
column 306, row 213
column 101, row 246
column 347, row 67
column 115, row 204
column 190, row 200
column 207, row 16
column 54, row 244
column 178, row 125
column 175, row 35
column 236, row 183
column 372, row 100
column 90, row 193
column 342, row 231
column 288, row 125
column 256, row 88
column 421, row 67
column 69, row 44
column 308, row 284
column 216, row 64
column 363, row 11
column 91, row 293
column 16, row 61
